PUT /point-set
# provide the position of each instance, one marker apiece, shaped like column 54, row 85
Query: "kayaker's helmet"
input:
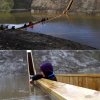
column 46, row 68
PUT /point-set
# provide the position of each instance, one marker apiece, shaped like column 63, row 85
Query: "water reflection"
column 16, row 18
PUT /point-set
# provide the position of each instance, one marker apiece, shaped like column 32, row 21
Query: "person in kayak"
column 25, row 25
column 47, row 72
column 31, row 24
column 2, row 27
column 43, row 20
column 6, row 27
column 13, row 28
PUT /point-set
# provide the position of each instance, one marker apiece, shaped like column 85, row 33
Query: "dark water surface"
column 82, row 29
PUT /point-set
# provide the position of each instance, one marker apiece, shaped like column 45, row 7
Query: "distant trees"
column 6, row 5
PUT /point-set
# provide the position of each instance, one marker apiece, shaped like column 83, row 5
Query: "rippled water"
column 84, row 30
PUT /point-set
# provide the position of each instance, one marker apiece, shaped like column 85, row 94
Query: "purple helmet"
column 46, row 68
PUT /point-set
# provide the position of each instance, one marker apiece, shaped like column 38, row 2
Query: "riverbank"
column 21, row 40
column 88, row 7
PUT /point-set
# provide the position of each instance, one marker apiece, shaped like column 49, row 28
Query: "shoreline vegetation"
column 21, row 40
column 15, row 10
column 33, row 12
column 51, row 14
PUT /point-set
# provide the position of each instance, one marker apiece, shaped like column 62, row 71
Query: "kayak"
column 15, row 26
column 18, row 26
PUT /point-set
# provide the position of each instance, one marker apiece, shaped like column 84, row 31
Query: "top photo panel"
column 49, row 24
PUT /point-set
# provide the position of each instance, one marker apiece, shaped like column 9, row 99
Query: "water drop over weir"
column 14, row 77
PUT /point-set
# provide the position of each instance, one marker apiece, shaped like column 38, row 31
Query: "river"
column 84, row 30
column 81, row 29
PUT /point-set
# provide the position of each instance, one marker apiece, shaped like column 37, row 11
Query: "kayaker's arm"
column 37, row 77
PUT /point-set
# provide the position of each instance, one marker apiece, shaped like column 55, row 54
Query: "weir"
column 64, row 91
column 14, row 77
column 15, row 70
column 91, row 81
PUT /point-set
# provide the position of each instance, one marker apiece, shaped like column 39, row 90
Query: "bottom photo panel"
column 50, row 75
